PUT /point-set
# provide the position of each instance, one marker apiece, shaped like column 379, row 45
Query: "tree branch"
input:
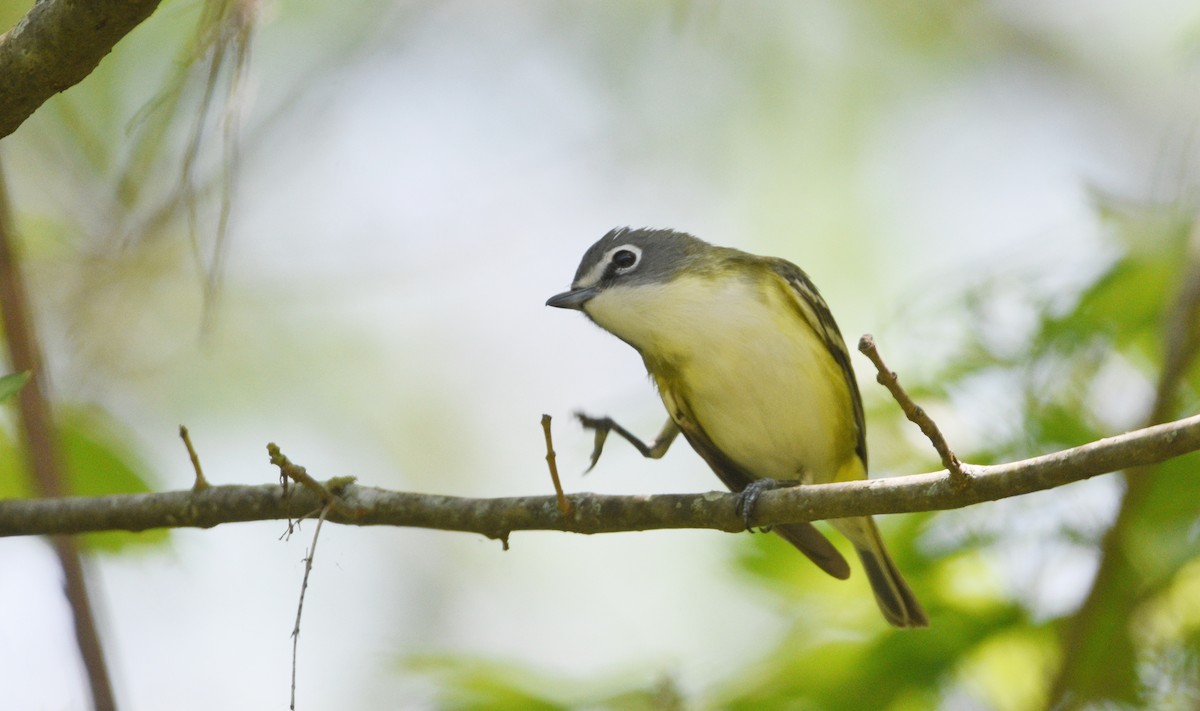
column 595, row 513
column 56, row 45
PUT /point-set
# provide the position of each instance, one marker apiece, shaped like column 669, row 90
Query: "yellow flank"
column 741, row 357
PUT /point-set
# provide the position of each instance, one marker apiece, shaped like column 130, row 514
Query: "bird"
column 752, row 370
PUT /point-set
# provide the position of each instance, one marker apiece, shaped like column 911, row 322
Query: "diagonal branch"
column 594, row 513
column 55, row 46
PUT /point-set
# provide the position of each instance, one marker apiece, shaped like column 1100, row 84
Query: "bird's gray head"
column 628, row 257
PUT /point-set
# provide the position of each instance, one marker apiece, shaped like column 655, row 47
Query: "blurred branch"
column 41, row 449
column 56, row 45
column 594, row 513
column 1099, row 661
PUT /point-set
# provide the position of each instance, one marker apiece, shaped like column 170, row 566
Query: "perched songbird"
column 753, row 371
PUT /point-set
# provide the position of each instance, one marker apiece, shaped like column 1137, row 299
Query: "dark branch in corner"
column 593, row 513
column 55, row 46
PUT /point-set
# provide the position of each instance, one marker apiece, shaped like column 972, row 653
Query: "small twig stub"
column 564, row 506
column 201, row 483
column 914, row 412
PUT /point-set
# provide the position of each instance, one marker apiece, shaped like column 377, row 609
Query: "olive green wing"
column 816, row 313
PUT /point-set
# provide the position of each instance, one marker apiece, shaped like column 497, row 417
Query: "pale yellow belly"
column 772, row 401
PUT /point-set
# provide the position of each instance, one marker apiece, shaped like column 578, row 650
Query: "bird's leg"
column 748, row 497
column 603, row 425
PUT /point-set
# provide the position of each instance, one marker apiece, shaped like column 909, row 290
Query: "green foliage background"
column 760, row 122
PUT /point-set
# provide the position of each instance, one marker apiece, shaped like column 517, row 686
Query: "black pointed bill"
column 573, row 299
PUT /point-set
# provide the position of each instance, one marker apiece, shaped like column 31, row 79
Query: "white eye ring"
column 621, row 257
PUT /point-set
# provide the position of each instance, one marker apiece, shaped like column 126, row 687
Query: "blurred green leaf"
column 810, row 669
column 1125, row 305
column 472, row 684
column 14, row 481
column 1153, row 539
column 894, row 669
column 99, row 459
column 1162, row 536
column 11, row 384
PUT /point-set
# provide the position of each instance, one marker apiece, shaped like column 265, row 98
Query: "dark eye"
column 624, row 259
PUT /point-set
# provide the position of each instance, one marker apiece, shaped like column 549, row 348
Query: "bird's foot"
column 601, row 426
column 748, row 498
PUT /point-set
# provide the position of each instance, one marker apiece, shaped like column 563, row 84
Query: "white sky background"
column 396, row 237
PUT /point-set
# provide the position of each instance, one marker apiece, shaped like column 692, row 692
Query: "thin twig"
column 564, row 506
column 201, row 483
column 300, row 475
column 308, row 564
column 914, row 412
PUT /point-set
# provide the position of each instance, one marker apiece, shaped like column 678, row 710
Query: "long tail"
column 816, row 546
column 895, row 598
